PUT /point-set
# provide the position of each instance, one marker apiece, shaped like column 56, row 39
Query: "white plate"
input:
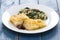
column 52, row 20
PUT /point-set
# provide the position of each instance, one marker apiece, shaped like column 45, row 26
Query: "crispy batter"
column 28, row 24
column 31, row 24
column 17, row 20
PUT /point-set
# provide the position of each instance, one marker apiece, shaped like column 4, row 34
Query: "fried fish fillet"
column 31, row 24
column 17, row 20
column 28, row 24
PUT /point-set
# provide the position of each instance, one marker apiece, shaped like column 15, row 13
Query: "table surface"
column 6, row 34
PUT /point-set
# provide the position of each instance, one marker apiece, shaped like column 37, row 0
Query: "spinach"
column 34, row 13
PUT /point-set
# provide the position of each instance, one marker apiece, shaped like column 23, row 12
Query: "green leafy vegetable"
column 34, row 13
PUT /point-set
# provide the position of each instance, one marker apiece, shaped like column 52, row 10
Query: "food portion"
column 29, row 19
column 31, row 24
column 34, row 13
column 18, row 20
